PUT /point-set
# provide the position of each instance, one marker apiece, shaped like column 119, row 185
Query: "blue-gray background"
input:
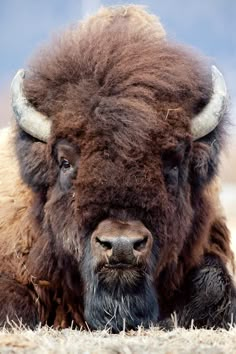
column 209, row 25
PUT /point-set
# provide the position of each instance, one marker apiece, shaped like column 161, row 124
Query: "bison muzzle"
column 120, row 292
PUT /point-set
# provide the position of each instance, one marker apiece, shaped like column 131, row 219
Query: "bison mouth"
column 125, row 276
column 123, row 266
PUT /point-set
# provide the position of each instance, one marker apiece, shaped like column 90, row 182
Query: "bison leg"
column 16, row 304
column 211, row 296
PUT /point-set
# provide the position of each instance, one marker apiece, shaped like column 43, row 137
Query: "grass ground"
column 178, row 341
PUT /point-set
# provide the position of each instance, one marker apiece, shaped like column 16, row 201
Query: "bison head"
column 118, row 137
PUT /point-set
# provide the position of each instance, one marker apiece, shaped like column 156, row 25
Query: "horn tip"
column 21, row 73
column 219, row 79
column 17, row 80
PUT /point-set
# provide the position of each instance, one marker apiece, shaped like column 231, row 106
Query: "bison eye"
column 174, row 170
column 172, row 176
column 67, row 174
column 65, row 164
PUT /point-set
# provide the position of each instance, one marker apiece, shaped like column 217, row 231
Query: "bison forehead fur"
column 117, row 216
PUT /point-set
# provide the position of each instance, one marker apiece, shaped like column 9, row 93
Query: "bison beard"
column 117, row 305
column 109, row 203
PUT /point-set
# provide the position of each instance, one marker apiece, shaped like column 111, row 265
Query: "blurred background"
column 208, row 25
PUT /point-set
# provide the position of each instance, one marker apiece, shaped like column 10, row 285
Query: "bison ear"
column 33, row 160
column 205, row 158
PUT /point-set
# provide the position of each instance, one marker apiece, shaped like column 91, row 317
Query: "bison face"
column 120, row 224
column 115, row 221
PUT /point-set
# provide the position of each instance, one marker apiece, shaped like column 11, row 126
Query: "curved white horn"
column 206, row 121
column 31, row 121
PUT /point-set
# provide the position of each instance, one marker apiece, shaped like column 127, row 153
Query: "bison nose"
column 121, row 242
column 122, row 249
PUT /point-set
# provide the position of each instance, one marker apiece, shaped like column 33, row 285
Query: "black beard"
column 119, row 306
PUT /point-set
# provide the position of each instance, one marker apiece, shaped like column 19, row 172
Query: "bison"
column 109, row 203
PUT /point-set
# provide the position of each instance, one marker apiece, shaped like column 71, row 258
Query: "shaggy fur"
column 121, row 99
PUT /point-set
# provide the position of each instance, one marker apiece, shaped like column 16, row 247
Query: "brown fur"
column 16, row 238
column 124, row 97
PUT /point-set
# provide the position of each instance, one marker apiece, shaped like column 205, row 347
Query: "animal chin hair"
column 114, row 310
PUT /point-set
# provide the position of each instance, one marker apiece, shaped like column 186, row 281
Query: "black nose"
column 122, row 249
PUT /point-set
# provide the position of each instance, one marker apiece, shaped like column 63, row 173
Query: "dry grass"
column 178, row 341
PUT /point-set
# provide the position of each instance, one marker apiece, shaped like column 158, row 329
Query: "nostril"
column 139, row 245
column 107, row 245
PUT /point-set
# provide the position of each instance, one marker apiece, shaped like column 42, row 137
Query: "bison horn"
column 207, row 120
column 31, row 121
